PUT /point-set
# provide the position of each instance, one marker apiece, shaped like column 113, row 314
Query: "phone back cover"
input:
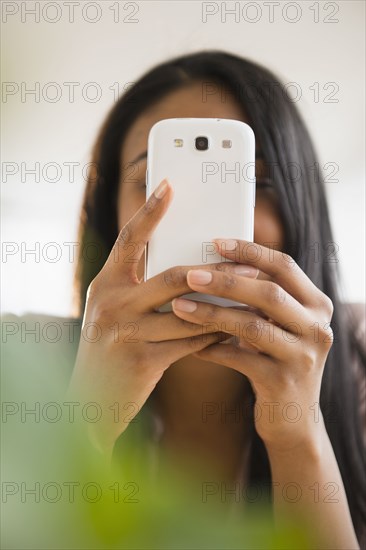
column 214, row 193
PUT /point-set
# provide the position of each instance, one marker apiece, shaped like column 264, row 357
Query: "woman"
column 290, row 284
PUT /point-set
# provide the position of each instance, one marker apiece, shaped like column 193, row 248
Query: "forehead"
column 198, row 100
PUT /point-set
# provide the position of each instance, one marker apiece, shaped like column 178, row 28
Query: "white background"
column 34, row 129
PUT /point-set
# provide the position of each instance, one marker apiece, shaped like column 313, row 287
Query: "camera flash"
column 226, row 143
column 178, row 143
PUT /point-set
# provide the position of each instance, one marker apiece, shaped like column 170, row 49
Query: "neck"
column 203, row 408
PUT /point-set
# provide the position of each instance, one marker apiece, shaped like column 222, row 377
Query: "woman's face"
column 188, row 102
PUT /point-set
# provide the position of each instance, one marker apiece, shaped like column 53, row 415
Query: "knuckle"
column 308, row 359
column 259, row 324
column 211, row 312
column 233, row 351
column 287, row 262
column 221, row 266
column 326, row 304
column 142, row 358
column 274, row 293
column 102, row 313
column 229, row 281
column 142, row 366
column 326, row 335
column 93, row 289
column 253, row 329
column 175, row 277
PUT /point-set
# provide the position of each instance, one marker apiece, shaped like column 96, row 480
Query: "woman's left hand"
column 281, row 343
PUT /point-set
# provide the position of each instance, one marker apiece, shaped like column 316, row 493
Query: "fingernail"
column 246, row 271
column 226, row 244
column 161, row 189
column 184, row 305
column 199, row 277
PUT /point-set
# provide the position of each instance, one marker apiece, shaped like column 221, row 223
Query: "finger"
column 267, row 296
column 131, row 242
column 247, row 327
column 256, row 366
column 280, row 266
column 174, row 350
column 160, row 327
column 171, row 283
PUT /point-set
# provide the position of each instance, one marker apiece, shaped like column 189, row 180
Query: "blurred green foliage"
column 59, row 493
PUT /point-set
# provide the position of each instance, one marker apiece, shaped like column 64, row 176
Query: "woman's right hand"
column 134, row 344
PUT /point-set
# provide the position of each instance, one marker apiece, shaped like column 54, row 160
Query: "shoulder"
column 357, row 316
column 39, row 343
column 357, row 313
column 40, row 330
column 50, row 328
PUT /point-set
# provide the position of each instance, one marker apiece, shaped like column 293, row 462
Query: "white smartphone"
column 210, row 164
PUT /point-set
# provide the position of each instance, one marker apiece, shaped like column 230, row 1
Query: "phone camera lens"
column 201, row 143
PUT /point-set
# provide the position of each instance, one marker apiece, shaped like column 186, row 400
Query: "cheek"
column 268, row 228
column 129, row 202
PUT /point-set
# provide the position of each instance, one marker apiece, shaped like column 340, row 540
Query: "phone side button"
column 254, row 192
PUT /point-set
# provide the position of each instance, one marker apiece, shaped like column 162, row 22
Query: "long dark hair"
column 286, row 147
